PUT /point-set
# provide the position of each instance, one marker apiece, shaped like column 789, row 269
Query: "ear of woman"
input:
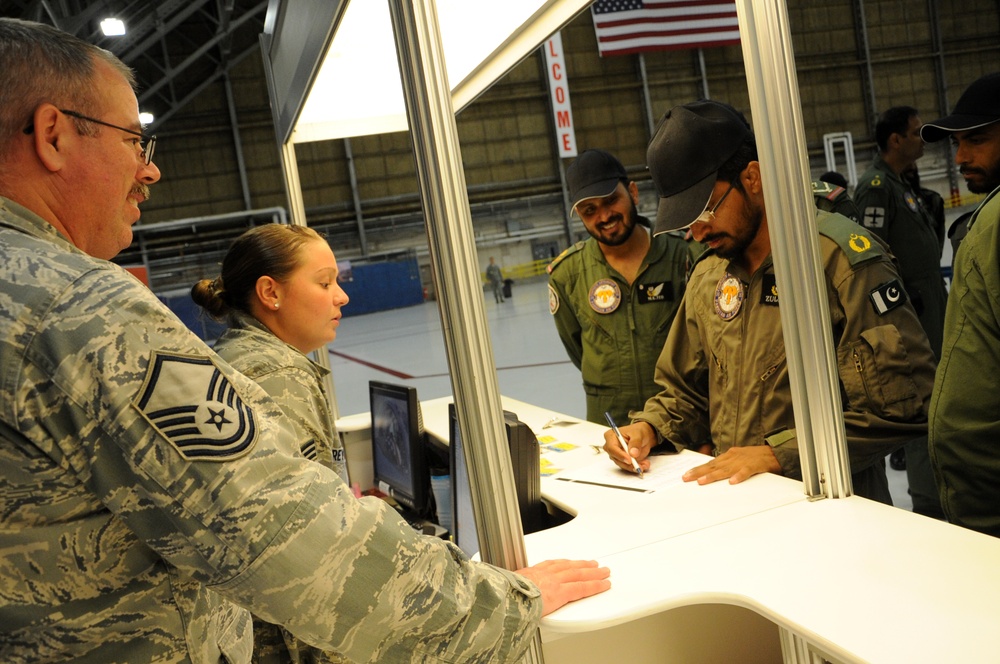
column 267, row 291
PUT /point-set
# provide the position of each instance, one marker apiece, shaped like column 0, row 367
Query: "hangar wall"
column 854, row 58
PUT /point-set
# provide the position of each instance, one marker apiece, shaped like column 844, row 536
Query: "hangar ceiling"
column 176, row 47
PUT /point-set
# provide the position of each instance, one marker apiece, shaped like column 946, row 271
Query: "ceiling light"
column 112, row 27
column 145, row 118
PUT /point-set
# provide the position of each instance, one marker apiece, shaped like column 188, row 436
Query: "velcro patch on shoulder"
column 194, row 406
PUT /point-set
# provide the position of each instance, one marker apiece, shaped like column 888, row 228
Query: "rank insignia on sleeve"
column 196, row 408
column 887, row 297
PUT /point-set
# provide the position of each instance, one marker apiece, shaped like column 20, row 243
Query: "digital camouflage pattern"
column 293, row 380
column 725, row 381
column 146, row 485
column 296, row 383
column 616, row 351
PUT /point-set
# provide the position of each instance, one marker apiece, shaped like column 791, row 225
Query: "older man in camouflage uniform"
column 145, row 497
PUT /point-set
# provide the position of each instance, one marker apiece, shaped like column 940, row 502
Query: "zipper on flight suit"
column 860, row 368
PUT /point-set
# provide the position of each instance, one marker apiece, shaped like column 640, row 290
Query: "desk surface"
column 864, row 581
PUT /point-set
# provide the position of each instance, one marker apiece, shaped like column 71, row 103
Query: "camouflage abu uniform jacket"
column 296, row 383
column 144, row 482
column 612, row 331
column 724, row 376
column 291, row 379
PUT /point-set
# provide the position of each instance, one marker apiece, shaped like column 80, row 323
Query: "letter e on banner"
column 555, row 64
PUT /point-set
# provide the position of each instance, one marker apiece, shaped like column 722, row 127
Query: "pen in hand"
column 618, row 435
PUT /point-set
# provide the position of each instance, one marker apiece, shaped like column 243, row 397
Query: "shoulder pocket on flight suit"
column 877, row 375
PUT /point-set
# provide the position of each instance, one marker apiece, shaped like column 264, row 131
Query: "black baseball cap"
column 595, row 173
column 690, row 144
column 978, row 106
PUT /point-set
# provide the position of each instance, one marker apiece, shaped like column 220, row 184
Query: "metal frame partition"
column 298, row 34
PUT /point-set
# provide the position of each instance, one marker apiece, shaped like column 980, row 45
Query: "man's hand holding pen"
column 640, row 438
column 735, row 464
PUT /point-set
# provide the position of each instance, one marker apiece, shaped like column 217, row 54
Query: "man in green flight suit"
column 614, row 295
column 894, row 210
column 965, row 406
column 723, row 375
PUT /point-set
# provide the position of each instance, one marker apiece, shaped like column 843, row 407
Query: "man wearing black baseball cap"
column 965, row 406
column 722, row 374
column 613, row 296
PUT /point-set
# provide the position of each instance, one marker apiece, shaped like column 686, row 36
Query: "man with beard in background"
column 614, row 295
column 965, row 405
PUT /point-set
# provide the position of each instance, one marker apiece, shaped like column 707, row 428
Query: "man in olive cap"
column 723, row 374
column 965, row 406
column 614, row 295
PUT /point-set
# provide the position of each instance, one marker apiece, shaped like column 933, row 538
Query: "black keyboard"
column 423, row 526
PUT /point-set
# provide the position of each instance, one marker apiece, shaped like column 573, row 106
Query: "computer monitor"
column 398, row 458
column 525, row 463
column 463, row 521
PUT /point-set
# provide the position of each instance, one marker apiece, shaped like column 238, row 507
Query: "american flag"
column 632, row 26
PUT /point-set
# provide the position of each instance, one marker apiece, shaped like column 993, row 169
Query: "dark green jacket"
column 965, row 405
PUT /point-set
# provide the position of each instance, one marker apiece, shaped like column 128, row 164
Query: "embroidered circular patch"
column 553, row 300
column 728, row 296
column 605, row 296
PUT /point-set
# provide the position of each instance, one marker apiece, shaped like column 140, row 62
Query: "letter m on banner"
column 555, row 64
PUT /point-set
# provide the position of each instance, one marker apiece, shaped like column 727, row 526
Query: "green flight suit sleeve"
column 965, row 409
column 885, row 363
column 567, row 324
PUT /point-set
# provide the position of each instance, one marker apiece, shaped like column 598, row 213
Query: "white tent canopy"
column 356, row 89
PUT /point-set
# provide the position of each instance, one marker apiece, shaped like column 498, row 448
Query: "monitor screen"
column 463, row 521
column 524, row 459
column 398, row 459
